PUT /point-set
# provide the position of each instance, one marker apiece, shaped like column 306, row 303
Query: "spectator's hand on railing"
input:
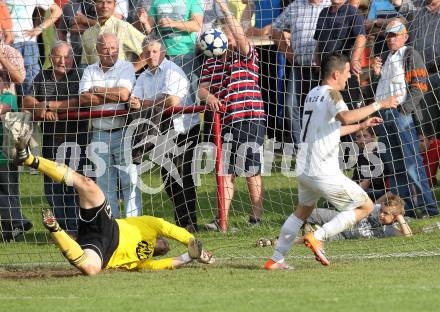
column 134, row 103
column 376, row 65
column 390, row 102
column 214, row 104
column 50, row 116
column 53, row 105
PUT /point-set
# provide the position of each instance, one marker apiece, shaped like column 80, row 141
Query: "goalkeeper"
column 104, row 242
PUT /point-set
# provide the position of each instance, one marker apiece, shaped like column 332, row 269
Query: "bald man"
column 106, row 85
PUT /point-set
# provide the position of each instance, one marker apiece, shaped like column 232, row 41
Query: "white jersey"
column 320, row 134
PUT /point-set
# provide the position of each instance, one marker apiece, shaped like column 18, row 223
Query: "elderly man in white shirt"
column 403, row 73
column 164, row 84
column 106, row 85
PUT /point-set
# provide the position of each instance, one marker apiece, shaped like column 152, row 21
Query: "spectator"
column 5, row 24
column 163, row 84
column 340, row 28
column 106, row 85
column 430, row 149
column 78, row 16
column 11, row 71
column 129, row 38
column 271, row 61
column 380, row 14
column 387, row 219
column 300, row 17
column 178, row 23
column 425, row 37
column 244, row 118
column 368, row 172
column 55, row 90
column 138, row 14
column 25, row 35
column 403, row 74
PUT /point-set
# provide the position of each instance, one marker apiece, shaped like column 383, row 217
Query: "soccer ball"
column 213, row 42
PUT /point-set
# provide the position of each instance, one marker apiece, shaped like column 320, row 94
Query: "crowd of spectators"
column 143, row 55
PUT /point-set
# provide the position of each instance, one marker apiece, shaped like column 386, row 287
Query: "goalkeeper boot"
column 273, row 266
column 194, row 248
column 317, row 247
column 49, row 220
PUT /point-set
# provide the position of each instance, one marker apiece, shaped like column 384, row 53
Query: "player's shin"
column 288, row 233
column 339, row 223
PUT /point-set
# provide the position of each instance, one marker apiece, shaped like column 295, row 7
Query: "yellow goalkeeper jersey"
column 137, row 239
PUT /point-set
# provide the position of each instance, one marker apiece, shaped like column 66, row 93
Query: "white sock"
column 288, row 233
column 185, row 258
column 339, row 223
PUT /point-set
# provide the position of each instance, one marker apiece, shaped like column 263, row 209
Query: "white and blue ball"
column 213, row 42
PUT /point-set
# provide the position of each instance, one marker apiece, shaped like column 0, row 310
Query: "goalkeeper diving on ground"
column 104, row 242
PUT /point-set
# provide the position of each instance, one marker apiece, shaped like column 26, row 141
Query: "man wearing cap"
column 424, row 36
column 403, row 73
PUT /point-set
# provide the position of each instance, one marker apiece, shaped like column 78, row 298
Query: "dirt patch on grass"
column 38, row 273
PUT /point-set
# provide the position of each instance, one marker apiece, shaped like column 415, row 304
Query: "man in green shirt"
column 178, row 22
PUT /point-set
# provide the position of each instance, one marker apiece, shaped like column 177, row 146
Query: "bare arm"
column 16, row 74
column 213, row 103
column 63, row 106
column 351, row 116
column 235, row 28
column 165, row 101
column 31, row 104
column 283, row 44
column 4, row 108
column 55, row 13
column 356, row 56
column 192, row 25
column 112, row 95
column 371, row 122
column 89, row 99
column 404, row 227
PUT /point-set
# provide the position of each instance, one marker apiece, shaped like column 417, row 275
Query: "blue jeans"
column 404, row 162
column 107, row 157
column 29, row 51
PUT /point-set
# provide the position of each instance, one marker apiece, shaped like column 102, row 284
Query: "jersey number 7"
column 309, row 113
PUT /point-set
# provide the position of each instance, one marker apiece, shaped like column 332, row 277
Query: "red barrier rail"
column 169, row 111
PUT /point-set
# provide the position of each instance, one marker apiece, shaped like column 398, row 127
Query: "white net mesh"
column 151, row 160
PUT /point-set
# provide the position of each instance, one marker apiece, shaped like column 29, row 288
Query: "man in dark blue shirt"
column 340, row 28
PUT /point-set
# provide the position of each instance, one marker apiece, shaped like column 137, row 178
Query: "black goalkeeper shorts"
column 98, row 231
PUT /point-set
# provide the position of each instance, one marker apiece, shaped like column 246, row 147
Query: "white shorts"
column 340, row 191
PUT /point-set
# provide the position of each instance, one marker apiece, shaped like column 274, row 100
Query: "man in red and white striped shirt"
column 230, row 83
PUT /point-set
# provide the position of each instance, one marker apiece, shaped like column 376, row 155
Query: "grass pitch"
column 396, row 274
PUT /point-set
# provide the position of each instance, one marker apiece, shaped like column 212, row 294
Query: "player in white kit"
column 326, row 118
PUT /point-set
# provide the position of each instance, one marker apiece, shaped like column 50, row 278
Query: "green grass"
column 396, row 274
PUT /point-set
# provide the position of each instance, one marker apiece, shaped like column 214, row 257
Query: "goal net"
column 147, row 134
